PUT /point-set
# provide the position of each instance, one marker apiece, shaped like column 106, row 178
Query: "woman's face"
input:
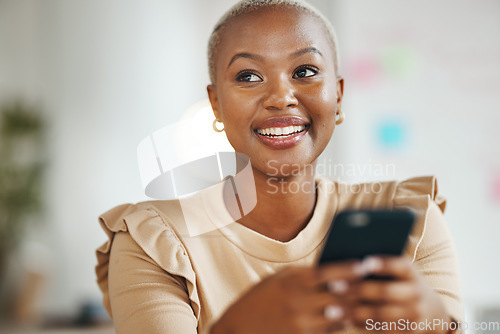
column 276, row 89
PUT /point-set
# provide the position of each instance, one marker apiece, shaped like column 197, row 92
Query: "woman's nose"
column 280, row 95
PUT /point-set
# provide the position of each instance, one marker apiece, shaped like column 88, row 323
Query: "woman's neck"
column 284, row 205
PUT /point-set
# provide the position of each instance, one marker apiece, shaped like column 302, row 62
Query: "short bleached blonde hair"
column 246, row 6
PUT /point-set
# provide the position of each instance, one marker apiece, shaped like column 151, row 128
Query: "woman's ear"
column 340, row 91
column 214, row 101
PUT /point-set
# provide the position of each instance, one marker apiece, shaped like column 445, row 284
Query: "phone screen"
column 356, row 234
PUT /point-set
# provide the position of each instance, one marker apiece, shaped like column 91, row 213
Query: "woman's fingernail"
column 338, row 287
column 372, row 263
column 333, row 312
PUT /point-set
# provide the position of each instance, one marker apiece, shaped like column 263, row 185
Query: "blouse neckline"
column 265, row 248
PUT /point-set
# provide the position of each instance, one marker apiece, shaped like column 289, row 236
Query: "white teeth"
column 286, row 131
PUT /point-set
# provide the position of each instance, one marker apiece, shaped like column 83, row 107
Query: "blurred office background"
column 422, row 84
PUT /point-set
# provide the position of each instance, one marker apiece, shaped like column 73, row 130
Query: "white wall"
column 108, row 73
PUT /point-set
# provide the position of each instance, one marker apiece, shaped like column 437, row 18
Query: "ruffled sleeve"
column 422, row 189
column 430, row 244
column 418, row 194
column 145, row 274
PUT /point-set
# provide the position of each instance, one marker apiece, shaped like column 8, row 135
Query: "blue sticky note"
column 391, row 134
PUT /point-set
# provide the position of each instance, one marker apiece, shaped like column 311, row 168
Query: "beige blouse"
column 157, row 279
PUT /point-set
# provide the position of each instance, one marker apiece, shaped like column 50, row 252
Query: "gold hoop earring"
column 340, row 118
column 214, row 125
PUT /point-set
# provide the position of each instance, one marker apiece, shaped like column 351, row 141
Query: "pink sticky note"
column 495, row 187
column 364, row 70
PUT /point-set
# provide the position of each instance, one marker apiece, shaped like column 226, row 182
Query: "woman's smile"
column 282, row 132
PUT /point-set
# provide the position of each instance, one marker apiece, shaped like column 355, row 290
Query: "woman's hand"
column 295, row 300
column 407, row 299
column 335, row 296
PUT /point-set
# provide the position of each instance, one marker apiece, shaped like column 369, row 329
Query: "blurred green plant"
column 21, row 168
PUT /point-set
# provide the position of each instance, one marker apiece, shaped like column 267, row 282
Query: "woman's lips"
column 281, row 137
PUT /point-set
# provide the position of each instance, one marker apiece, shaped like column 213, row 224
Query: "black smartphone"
column 356, row 234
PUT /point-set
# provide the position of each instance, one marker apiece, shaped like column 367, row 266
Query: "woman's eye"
column 248, row 77
column 305, row 72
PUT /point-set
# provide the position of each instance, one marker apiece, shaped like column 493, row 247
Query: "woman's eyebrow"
column 252, row 56
column 303, row 51
column 244, row 55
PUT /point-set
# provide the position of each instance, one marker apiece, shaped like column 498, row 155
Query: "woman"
column 276, row 89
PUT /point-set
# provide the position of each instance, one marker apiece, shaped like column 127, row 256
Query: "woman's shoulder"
column 416, row 192
column 151, row 231
column 163, row 215
column 155, row 226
